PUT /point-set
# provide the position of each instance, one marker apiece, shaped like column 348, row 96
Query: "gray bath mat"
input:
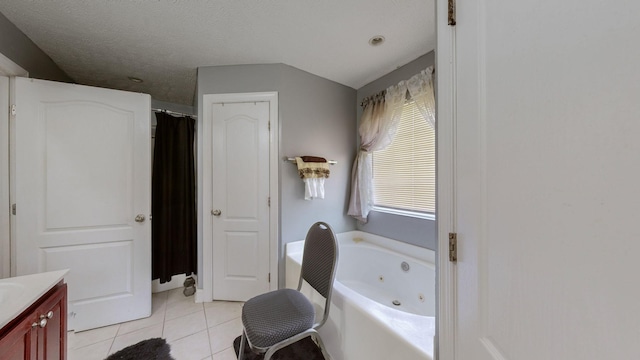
column 150, row 349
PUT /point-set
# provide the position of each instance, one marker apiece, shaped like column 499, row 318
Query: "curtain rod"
column 330, row 162
column 173, row 112
column 383, row 92
column 373, row 97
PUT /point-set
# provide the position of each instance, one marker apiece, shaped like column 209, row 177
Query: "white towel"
column 313, row 175
column 313, row 188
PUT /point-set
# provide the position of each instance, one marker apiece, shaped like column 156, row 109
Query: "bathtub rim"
column 345, row 238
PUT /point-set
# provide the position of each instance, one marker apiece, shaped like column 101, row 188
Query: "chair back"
column 320, row 259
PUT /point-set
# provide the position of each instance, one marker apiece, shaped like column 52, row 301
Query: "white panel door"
column 82, row 176
column 547, row 169
column 5, row 244
column 240, row 188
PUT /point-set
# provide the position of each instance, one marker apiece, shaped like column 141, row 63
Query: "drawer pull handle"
column 42, row 323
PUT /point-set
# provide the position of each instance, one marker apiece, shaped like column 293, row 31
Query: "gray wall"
column 316, row 117
column 415, row 231
column 15, row 45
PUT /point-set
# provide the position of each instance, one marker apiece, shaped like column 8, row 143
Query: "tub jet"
column 405, row 266
column 396, row 302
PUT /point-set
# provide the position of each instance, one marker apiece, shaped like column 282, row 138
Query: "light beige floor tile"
column 131, row 326
column 175, row 317
column 71, row 340
column 177, row 295
column 219, row 303
column 122, row 341
column 219, row 312
column 158, row 309
column 226, row 354
column 222, row 336
column 184, row 307
column 184, row 326
column 97, row 351
column 160, row 296
column 159, row 302
column 192, row 347
column 84, row 338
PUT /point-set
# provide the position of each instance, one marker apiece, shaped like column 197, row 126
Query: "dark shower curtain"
column 173, row 198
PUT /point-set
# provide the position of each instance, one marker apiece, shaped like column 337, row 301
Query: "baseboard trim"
column 177, row 281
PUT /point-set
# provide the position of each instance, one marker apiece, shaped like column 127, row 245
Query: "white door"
column 240, row 203
column 5, row 244
column 82, row 177
column 546, row 177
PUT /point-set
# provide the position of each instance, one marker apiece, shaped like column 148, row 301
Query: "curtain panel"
column 173, row 198
column 421, row 91
column 378, row 125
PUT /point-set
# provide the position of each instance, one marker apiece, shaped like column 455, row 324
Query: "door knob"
column 216, row 212
column 140, row 218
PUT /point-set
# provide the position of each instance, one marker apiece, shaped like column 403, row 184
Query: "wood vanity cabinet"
column 40, row 332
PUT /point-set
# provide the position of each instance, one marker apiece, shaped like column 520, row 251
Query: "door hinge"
column 269, row 201
column 452, row 13
column 13, row 109
column 269, row 126
column 453, row 247
column 269, row 278
column 13, row 209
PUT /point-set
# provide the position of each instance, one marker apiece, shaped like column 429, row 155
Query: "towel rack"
column 330, row 162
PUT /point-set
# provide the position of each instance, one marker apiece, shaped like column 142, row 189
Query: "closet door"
column 238, row 186
column 240, row 200
column 83, row 196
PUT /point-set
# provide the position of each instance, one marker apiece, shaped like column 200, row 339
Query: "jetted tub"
column 383, row 302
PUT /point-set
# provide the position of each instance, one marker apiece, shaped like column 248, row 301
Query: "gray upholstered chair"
column 279, row 318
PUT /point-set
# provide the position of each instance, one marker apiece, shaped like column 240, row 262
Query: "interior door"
column 240, row 188
column 546, row 179
column 83, row 195
column 5, row 243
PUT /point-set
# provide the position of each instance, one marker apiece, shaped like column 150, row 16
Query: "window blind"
column 404, row 172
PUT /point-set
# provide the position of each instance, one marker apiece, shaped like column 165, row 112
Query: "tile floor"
column 203, row 331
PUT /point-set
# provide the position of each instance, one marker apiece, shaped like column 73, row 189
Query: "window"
column 404, row 172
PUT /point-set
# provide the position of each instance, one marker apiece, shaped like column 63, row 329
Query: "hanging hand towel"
column 313, row 175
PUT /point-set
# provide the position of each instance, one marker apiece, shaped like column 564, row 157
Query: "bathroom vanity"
column 33, row 321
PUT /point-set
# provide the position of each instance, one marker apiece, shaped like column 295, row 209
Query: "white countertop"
column 18, row 293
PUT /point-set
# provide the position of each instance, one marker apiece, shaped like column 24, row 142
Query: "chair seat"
column 275, row 316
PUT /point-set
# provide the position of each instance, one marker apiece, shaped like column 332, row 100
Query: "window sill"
column 407, row 213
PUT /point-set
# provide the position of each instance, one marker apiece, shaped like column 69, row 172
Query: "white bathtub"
column 364, row 323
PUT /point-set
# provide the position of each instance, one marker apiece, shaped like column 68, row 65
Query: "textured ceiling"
column 163, row 42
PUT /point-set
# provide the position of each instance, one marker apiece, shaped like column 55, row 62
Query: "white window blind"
column 404, row 172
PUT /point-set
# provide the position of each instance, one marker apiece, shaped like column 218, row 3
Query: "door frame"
column 446, row 92
column 205, row 227
column 7, row 248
